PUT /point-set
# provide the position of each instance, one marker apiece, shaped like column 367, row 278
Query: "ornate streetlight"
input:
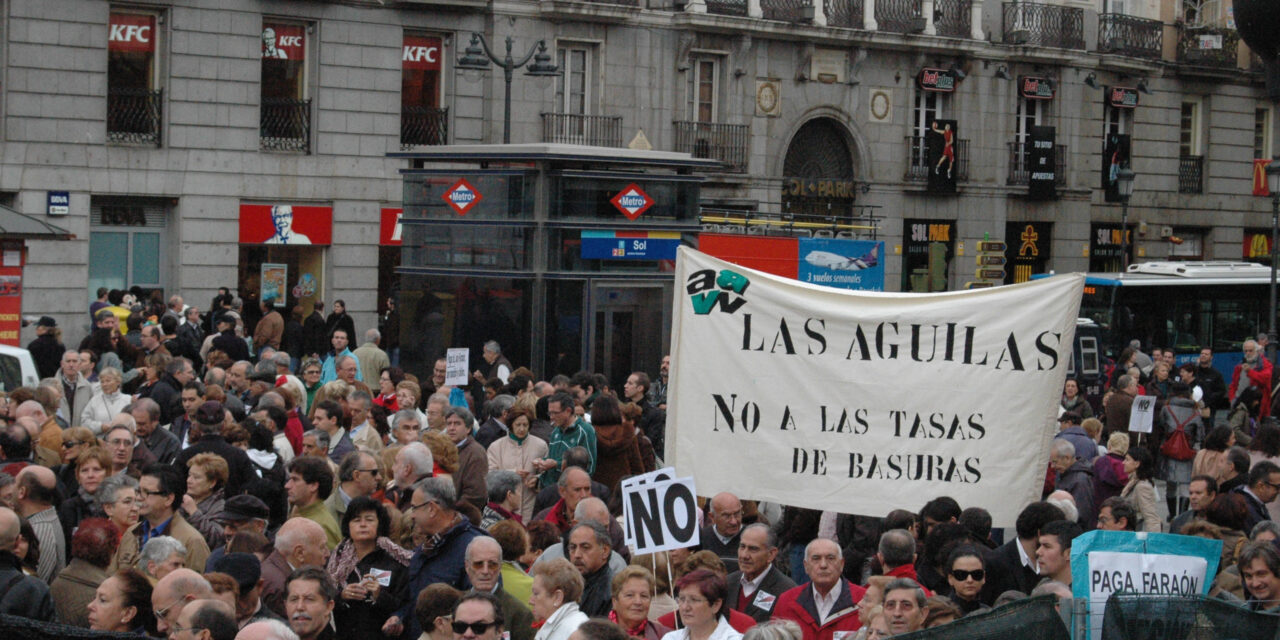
column 477, row 57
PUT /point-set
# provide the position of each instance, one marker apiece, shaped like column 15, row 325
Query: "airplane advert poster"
column 845, row 264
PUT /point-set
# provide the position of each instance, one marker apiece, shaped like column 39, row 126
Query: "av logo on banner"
column 660, row 512
column 462, row 196
column 632, row 201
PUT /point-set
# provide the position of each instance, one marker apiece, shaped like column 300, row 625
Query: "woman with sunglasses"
column 966, row 573
column 372, row 570
column 74, row 441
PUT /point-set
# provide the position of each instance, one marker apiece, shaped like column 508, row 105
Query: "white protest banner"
column 666, row 473
column 661, row 515
column 1103, row 562
column 456, row 363
column 1140, row 417
column 864, row 402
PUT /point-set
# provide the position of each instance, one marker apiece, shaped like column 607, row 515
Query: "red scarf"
column 635, row 632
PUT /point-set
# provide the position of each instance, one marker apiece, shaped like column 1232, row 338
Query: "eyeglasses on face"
column 477, row 627
column 961, row 575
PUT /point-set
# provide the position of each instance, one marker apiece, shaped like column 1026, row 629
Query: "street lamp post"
column 477, row 57
column 1273, row 182
column 1124, row 185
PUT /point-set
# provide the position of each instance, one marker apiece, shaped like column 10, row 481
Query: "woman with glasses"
column 372, row 570
column 122, row 603
column 700, row 596
column 204, row 501
column 966, row 573
column 92, row 467
column 387, row 381
column 118, row 499
column 557, row 586
column 517, row 452
column 311, row 369
column 74, row 441
column 106, row 403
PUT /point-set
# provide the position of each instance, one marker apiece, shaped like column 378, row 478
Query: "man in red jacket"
column 828, row 604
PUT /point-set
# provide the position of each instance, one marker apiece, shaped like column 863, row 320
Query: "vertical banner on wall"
column 275, row 282
column 12, row 258
column 1027, row 246
column 927, row 249
column 1115, row 156
column 389, row 227
column 1260, row 186
column 1041, row 164
column 817, row 392
column 940, row 147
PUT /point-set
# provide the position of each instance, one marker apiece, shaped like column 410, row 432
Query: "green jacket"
column 580, row 434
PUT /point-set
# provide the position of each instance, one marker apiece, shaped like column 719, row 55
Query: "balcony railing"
column 727, row 7
column 786, row 10
column 724, row 142
column 286, row 124
column 1020, row 173
column 844, row 13
column 133, row 115
column 951, row 18
column 899, row 16
column 576, row 128
column 423, row 126
column 1191, row 174
column 1044, row 25
column 918, row 167
column 1130, row 36
column 1209, row 47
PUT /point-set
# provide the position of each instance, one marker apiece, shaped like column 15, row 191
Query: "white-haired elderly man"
column 413, row 463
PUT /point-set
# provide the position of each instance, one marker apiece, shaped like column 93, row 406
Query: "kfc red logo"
column 131, row 32
column 283, row 42
column 421, row 52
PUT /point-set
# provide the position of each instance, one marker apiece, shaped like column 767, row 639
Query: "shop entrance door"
column 631, row 328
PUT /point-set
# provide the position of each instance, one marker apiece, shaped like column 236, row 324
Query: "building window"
column 1186, row 243
column 1201, row 13
column 1262, row 133
column 573, row 85
column 703, row 82
column 422, row 120
column 1118, row 120
column 1190, row 158
column 928, row 107
column 1028, row 116
column 286, row 104
column 127, row 244
column 134, row 96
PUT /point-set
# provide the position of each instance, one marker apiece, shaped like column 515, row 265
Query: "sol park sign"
column 462, row 196
column 632, row 201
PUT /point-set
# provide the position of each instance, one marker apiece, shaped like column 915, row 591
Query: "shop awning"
column 20, row 225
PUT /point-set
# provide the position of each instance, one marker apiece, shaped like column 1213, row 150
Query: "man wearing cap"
column 210, row 418
column 240, row 513
column 1071, row 431
column 247, row 571
column 76, row 391
column 45, row 349
column 226, row 341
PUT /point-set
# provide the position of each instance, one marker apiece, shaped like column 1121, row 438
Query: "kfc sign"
column 132, row 32
column 421, row 52
column 283, row 41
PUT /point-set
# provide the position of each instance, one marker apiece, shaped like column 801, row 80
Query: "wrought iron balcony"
column 1020, row 173
column 918, row 165
column 727, row 7
column 787, row 10
column 1191, row 174
column 899, row 16
column 1044, row 25
column 724, row 142
column 1130, row 36
column 844, row 13
column 1209, row 47
column 576, row 128
column 133, row 115
column 423, row 126
column 951, row 18
column 285, row 125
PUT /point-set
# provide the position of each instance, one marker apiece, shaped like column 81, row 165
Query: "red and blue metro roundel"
column 632, row 201
column 462, row 196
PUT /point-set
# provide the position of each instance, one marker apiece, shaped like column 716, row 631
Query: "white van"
column 17, row 369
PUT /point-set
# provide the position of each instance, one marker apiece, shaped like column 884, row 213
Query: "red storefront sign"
column 1123, row 97
column 1260, row 186
column 768, row 254
column 421, row 52
column 132, row 32
column 389, row 227
column 12, row 257
column 286, row 224
column 284, row 41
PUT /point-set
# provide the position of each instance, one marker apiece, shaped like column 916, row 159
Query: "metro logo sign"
column 421, row 52
column 132, row 32
column 632, row 201
column 462, row 196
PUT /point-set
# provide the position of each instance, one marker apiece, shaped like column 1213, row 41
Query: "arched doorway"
column 818, row 180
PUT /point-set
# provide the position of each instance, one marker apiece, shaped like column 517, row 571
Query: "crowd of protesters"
column 185, row 474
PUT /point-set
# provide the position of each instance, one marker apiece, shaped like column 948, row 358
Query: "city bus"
column 1180, row 305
